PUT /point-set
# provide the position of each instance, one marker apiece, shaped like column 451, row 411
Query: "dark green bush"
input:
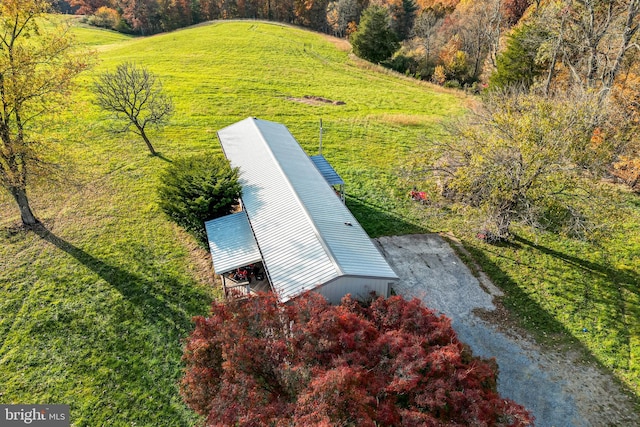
column 402, row 64
column 452, row 84
column 518, row 65
column 196, row 189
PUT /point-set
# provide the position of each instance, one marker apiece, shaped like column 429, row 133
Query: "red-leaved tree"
column 391, row 362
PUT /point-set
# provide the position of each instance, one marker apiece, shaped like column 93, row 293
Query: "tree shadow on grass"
column 129, row 356
column 156, row 304
column 530, row 315
column 619, row 291
column 380, row 221
column 162, row 157
column 613, row 275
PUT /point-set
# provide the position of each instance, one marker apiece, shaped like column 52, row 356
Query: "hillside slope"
column 94, row 305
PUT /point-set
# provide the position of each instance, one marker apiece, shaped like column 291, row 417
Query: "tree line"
column 442, row 40
column 449, row 42
column 560, row 112
column 147, row 17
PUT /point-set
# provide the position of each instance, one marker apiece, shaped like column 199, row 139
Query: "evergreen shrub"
column 197, row 189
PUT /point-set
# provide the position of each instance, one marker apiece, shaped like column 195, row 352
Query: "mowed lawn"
column 93, row 311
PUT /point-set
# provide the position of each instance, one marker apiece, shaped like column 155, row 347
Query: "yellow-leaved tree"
column 37, row 65
column 524, row 158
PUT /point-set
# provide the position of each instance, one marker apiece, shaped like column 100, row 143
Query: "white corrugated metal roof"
column 307, row 237
column 326, row 170
column 231, row 242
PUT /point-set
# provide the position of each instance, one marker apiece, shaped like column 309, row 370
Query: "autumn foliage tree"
column 514, row 9
column 525, row 158
column 388, row 363
column 87, row 7
column 627, row 97
column 37, row 66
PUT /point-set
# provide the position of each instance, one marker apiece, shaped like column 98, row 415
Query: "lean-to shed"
column 305, row 235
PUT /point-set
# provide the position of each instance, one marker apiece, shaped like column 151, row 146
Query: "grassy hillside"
column 93, row 309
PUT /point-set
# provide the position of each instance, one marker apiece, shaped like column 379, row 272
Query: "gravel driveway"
column 558, row 391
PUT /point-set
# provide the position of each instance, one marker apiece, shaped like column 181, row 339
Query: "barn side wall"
column 359, row 287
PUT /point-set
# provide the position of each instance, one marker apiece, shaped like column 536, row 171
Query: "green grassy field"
column 93, row 310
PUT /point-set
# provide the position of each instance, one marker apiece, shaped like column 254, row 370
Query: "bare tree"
column 426, row 28
column 591, row 40
column 480, row 26
column 36, row 70
column 629, row 30
column 342, row 12
column 134, row 96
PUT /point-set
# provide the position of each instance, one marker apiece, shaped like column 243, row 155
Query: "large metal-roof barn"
column 292, row 220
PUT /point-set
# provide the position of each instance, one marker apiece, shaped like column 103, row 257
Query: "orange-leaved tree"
column 389, row 362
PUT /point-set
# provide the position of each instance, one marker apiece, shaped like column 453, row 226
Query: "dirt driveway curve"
column 554, row 387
